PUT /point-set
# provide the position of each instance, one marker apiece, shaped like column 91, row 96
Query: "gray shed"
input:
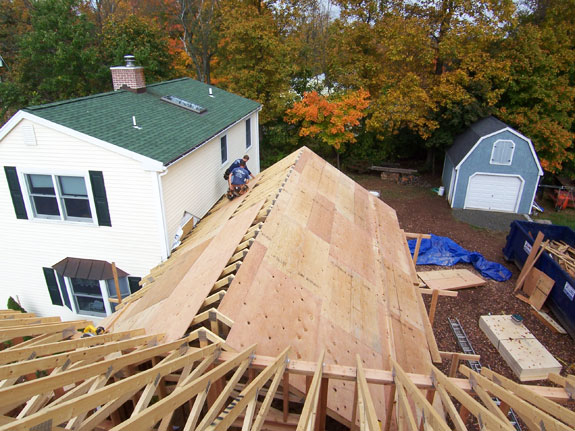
column 491, row 167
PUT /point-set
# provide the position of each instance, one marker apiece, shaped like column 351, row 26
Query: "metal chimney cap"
column 130, row 60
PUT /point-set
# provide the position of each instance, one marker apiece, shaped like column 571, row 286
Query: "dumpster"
column 561, row 299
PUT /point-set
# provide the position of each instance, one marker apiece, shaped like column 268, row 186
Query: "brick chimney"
column 129, row 77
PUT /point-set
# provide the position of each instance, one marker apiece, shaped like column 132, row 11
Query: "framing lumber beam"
column 367, row 409
column 43, row 328
column 89, row 401
column 308, row 414
column 521, row 407
column 554, row 409
column 23, row 353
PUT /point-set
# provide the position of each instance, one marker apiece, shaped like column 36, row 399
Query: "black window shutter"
column 15, row 192
column 134, row 283
column 100, row 199
column 64, row 294
column 52, row 286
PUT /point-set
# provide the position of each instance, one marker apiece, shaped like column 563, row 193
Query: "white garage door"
column 493, row 192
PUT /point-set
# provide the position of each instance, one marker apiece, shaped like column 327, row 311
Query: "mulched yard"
column 420, row 210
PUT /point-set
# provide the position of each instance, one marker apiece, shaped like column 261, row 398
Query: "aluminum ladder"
column 465, row 345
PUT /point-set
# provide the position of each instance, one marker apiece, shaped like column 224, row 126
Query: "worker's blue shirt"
column 236, row 164
column 240, row 176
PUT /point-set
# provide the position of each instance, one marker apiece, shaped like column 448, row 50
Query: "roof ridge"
column 68, row 101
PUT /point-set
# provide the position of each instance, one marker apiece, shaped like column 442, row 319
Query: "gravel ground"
column 496, row 221
column 420, row 210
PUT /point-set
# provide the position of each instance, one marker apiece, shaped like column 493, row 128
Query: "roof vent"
column 184, row 104
column 130, row 60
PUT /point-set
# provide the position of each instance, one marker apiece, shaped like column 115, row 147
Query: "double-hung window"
column 70, row 196
column 59, row 197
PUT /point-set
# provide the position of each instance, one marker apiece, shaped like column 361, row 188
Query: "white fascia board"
column 516, row 133
column 148, row 164
column 221, row 132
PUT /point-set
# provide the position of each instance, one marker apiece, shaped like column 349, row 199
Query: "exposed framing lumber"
column 531, row 260
column 153, row 414
column 26, row 390
column 73, row 408
column 309, row 412
column 367, row 409
column 483, row 415
column 521, row 407
column 554, row 409
column 23, row 353
column 92, row 354
column 43, row 328
column 430, row 414
column 432, row 343
column 28, row 320
column 226, row 419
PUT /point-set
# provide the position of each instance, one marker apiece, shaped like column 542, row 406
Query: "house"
column 307, row 258
column 491, row 167
column 110, row 178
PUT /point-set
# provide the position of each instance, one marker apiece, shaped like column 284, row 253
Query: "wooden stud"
column 116, row 282
column 389, row 410
column 312, row 396
column 365, row 396
column 448, row 405
column 322, row 405
column 530, row 261
column 433, row 307
column 285, row 386
column 454, row 365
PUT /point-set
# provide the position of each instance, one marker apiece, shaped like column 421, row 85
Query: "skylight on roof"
column 184, row 104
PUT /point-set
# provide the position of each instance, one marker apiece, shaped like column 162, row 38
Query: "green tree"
column 58, row 59
column 540, row 98
column 254, row 60
column 144, row 40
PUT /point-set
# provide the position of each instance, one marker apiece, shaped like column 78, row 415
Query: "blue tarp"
column 439, row 250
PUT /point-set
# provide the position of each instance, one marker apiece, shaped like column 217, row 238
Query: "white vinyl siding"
column 502, row 152
column 195, row 183
column 133, row 241
column 494, row 192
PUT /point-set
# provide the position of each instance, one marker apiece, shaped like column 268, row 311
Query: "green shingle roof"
column 167, row 131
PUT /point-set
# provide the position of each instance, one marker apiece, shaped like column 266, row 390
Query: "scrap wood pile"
column 562, row 253
column 52, row 379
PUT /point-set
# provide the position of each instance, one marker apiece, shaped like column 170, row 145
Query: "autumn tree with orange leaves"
column 331, row 121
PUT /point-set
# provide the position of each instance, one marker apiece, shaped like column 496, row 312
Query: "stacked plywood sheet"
column 451, row 279
column 526, row 356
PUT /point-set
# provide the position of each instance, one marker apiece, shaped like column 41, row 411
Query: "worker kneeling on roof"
column 239, row 177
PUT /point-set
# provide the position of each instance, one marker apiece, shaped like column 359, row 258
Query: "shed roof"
column 465, row 142
column 90, row 269
column 165, row 131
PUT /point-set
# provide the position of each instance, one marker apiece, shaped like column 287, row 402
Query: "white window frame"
column 61, row 218
column 72, row 295
column 222, row 139
column 248, row 123
column 493, row 162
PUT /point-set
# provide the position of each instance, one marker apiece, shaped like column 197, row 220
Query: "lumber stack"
column 563, row 254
